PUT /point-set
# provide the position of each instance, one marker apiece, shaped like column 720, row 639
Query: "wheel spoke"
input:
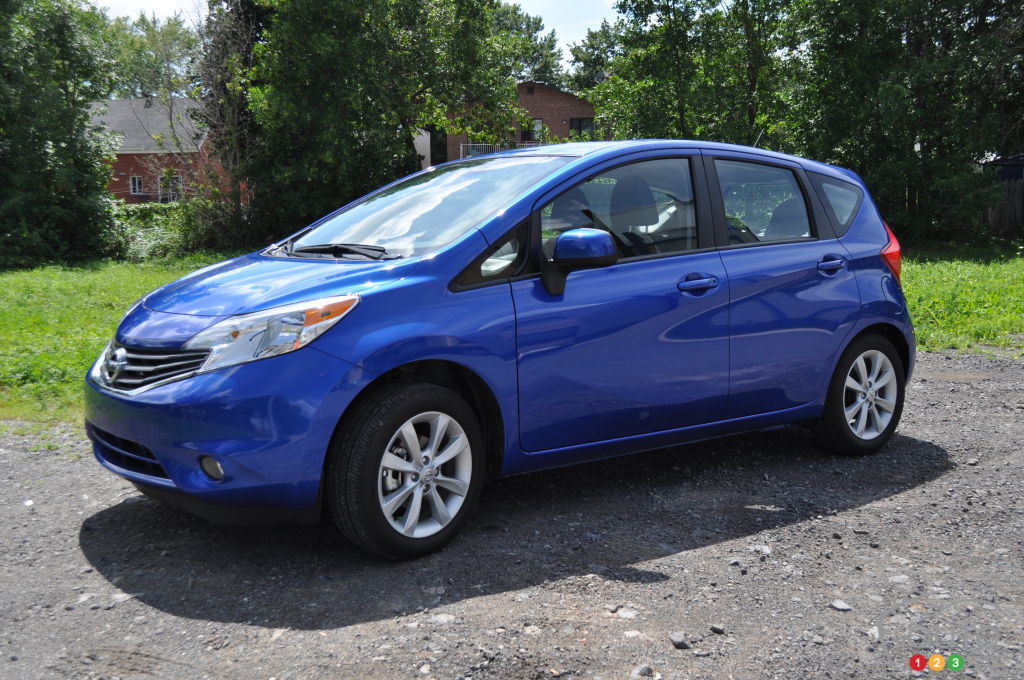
column 393, row 501
column 853, row 410
column 437, row 506
column 884, row 380
column 412, row 513
column 862, row 369
column 411, row 440
column 862, row 419
column 393, row 462
column 881, row 418
column 887, row 404
column 456, row 486
column 852, row 384
column 876, row 362
column 454, row 448
column 438, row 426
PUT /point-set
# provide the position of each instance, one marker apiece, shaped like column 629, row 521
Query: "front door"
column 638, row 347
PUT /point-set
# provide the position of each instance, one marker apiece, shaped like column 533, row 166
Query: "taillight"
column 891, row 253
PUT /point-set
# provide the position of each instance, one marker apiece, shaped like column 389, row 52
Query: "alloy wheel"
column 424, row 474
column 869, row 397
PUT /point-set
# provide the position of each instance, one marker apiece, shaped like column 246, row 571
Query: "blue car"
column 503, row 314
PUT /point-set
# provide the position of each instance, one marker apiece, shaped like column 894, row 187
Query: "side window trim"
column 702, row 206
column 821, row 226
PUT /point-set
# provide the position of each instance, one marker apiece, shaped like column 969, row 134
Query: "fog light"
column 212, row 468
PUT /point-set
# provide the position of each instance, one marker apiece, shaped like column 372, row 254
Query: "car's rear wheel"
column 865, row 398
column 404, row 470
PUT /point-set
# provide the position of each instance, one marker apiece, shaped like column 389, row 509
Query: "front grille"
column 131, row 368
column 125, row 453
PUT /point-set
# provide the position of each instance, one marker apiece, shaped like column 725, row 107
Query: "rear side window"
column 763, row 203
column 842, row 200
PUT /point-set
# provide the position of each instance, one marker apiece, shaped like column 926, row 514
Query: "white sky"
column 571, row 19
column 190, row 10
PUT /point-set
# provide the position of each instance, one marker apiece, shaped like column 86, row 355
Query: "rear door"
column 638, row 347
column 793, row 298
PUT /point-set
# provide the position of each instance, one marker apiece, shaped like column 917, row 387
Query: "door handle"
column 831, row 265
column 693, row 285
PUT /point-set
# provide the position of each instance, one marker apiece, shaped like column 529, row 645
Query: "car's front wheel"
column 404, row 469
column 865, row 398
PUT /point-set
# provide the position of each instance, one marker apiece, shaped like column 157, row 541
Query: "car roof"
column 581, row 149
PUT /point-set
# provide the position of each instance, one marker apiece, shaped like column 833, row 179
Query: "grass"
column 57, row 319
column 966, row 299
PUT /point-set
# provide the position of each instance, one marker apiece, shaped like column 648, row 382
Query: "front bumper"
column 269, row 423
column 218, row 513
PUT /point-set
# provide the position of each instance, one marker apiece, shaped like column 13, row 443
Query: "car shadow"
column 606, row 518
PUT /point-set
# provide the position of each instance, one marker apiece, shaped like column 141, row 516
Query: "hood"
column 254, row 282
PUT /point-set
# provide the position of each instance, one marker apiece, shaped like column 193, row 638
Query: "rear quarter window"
column 842, row 200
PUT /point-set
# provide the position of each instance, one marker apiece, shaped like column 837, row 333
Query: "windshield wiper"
column 365, row 249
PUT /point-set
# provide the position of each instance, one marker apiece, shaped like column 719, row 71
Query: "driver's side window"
column 647, row 207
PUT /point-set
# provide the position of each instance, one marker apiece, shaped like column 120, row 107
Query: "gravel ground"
column 758, row 555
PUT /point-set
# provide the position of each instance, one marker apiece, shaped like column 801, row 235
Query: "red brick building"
column 550, row 108
column 159, row 149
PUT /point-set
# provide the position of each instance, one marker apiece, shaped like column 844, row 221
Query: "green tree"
column 693, row 68
column 911, row 94
column 340, row 89
column 650, row 91
column 152, row 57
column 537, row 57
column 743, row 84
column 223, row 73
column 53, row 160
column 592, row 57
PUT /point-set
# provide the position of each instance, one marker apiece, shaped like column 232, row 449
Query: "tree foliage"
column 913, row 94
column 536, row 55
column 701, row 69
column 53, row 162
column 340, row 89
column 224, row 77
column 152, row 57
column 591, row 58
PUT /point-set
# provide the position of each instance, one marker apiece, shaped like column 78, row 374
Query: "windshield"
column 432, row 209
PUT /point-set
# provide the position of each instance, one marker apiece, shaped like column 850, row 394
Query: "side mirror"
column 582, row 248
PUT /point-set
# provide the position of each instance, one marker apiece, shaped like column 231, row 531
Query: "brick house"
column 557, row 111
column 159, row 147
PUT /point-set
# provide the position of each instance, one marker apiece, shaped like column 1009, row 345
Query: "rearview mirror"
column 583, row 248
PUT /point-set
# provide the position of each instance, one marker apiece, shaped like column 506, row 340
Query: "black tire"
column 834, row 429
column 353, row 485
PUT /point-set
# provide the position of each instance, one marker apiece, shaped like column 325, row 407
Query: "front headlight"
column 248, row 337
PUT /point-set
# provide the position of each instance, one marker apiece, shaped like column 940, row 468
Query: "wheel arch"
column 891, row 333
column 458, row 378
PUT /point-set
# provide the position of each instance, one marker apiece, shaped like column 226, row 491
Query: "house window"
column 170, row 188
column 534, row 132
column 135, row 185
column 581, row 125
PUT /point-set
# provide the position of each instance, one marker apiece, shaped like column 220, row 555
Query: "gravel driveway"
column 764, row 558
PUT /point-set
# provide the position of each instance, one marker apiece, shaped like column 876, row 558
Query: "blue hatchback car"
column 508, row 313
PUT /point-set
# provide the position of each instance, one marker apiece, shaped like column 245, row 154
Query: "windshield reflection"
column 432, row 209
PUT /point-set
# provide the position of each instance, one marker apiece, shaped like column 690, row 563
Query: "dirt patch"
column 809, row 565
